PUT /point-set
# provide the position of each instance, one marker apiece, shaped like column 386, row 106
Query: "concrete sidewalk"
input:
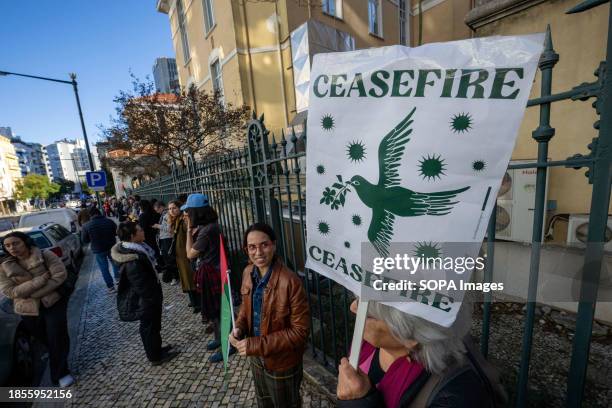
column 108, row 361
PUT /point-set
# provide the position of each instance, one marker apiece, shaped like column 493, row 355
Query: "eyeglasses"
column 264, row 246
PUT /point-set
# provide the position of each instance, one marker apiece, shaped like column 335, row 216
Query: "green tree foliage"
column 109, row 190
column 86, row 189
column 35, row 186
column 66, row 187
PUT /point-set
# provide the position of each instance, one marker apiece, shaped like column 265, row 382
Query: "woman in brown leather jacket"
column 273, row 322
column 31, row 278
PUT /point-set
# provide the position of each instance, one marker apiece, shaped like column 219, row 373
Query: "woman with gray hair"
column 406, row 361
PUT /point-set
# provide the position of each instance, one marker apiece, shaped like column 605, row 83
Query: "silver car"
column 20, row 354
column 55, row 238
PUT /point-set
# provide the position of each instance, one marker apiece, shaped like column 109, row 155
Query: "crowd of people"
column 405, row 360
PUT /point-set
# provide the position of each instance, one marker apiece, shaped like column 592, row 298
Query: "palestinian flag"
column 227, row 307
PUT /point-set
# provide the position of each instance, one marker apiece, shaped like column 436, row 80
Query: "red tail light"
column 57, row 251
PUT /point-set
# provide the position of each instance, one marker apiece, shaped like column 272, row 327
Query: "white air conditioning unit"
column 578, row 231
column 503, row 224
column 516, row 203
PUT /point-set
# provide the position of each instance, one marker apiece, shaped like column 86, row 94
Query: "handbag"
column 128, row 301
column 172, row 246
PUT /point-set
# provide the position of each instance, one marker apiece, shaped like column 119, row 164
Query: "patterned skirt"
column 207, row 280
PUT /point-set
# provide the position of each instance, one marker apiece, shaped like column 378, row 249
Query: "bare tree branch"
column 152, row 130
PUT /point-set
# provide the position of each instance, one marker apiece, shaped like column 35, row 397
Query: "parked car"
column 66, row 217
column 74, row 204
column 55, row 238
column 6, row 224
column 21, row 362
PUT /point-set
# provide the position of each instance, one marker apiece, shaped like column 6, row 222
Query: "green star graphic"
column 461, row 122
column 479, row 165
column 427, row 250
column 386, row 198
column 320, row 169
column 328, row 122
column 431, row 167
column 356, row 151
column 323, row 228
column 356, row 219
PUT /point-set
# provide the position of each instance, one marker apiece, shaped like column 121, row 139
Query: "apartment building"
column 165, row 75
column 10, row 173
column 259, row 53
column 32, row 158
column 68, row 160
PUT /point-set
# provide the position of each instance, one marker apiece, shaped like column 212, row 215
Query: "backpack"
column 488, row 374
column 128, row 301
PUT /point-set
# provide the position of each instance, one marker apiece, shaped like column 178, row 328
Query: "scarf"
column 398, row 378
column 142, row 248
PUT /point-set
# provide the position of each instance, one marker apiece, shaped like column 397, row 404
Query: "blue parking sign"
column 96, row 180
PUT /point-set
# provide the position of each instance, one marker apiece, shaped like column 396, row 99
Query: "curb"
column 320, row 378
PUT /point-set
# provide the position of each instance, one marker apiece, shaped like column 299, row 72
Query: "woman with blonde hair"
column 185, row 272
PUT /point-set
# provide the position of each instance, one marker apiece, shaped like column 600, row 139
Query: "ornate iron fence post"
column 542, row 134
column 600, row 175
column 191, row 174
column 173, row 172
column 257, row 136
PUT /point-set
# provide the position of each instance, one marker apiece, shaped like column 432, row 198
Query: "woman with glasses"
column 273, row 323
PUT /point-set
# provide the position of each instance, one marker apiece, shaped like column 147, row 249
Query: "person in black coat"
column 147, row 219
column 140, row 294
column 102, row 233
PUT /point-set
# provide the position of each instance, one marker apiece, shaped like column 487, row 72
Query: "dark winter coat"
column 474, row 384
column 101, row 232
column 146, row 222
column 139, row 293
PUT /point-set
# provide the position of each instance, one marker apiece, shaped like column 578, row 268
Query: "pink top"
column 400, row 375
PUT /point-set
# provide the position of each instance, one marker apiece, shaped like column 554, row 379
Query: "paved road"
column 109, row 364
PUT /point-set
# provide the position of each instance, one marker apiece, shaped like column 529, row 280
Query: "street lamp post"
column 72, row 82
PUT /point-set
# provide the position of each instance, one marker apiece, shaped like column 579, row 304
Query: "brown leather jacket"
column 285, row 319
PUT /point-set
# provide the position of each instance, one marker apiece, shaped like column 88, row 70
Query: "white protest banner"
column 410, row 145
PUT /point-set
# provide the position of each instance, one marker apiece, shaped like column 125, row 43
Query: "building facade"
column 244, row 50
column 252, row 53
column 32, row 158
column 6, row 131
column 166, row 75
column 68, row 160
column 10, row 174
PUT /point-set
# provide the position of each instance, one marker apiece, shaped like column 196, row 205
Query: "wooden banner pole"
column 360, row 319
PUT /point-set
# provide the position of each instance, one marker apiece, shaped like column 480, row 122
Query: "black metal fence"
column 265, row 181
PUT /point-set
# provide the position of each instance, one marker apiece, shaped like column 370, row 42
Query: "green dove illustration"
column 387, row 198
